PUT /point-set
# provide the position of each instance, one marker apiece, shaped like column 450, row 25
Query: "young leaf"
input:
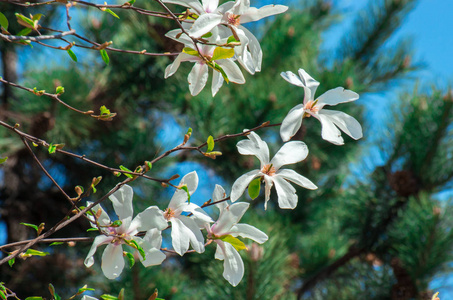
column 106, row 297
column 11, row 262
column 60, row 90
column 72, row 55
column 56, row 243
column 112, row 13
column 210, row 143
column 105, row 57
column 121, row 294
column 231, row 39
column 117, row 223
column 126, row 169
column 53, row 293
column 184, row 187
column 31, row 252
column 52, row 148
column 207, row 35
column 235, row 242
column 222, row 53
column 130, row 259
column 3, row 21
column 131, row 2
column 190, row 51
column 30, row 225
column 34, row 298
column 2, row 160
column 2, row 295
column 24, row 32
column 24, row 21
column 254, row 188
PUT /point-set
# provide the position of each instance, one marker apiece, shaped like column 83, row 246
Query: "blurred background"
column 378, row 227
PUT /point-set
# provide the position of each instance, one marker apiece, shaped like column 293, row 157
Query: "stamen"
column 311, row 106
column 268, row 170
column 234, row 20
column 168, row 214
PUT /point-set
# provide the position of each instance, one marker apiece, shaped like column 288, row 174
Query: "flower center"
column 234, row 20
column 311, row 107
column 268, row 170
column 168, row 214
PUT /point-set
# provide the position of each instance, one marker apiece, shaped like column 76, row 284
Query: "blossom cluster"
column 213, row 37
column 187, row 221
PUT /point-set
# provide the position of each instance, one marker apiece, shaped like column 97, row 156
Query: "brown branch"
column 14, row 38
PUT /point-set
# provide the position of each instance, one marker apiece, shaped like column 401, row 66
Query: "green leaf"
column 34, row 252
column 24, row 32
column 92, row 229
column 2, row 295
column 231, row 39
column 189, row 131
column 84, row 289
column 131, row 2
column 190, row 51
column 30, row 225
column 72, row 55
column 121, row 294
column 254, row 188
column 60, row 90
column 130, row 259
column 11, row 261
column 210, row 143
column 235, row 242
column 25, row 20
column 4, row 21
column 2, row 160
column 134, row 244
column 222, row 53
column 149, row 165
column 37, row 17
column 184, row 187
column 207, row 35
column 112, row 13
column 117, row 223
column 52, row 148
column 126, row 169
column 56, row 243
column 34, row 298
column 105, row 56
column 218, row 68
column 104, row 110
column 106, row 297
column 53, row 293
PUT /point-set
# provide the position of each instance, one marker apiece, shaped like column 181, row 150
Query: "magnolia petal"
column 345, row 122
column 241, row 184
column 233, row 266
column 178, row 200
column 263, row 154
column 197, row 78
column 336, row 96
column 179, row 236
column 154, row 257
column 217, row 82
column 292, row 122
column 198, row 213
column 329, row 131
column 240, row 7
column 268, row 183
column 232, row 71
column 194, row 4
column 122, row 202
column 290, row 153
column 204, row 24
column 86, row 297
column 254, row 14
column 298, row 179
column 229, row 217
column 180, row 37
column 218, row 194
column 246, row 60
column 195, row 235
column 154, row 238
column 250, row 232
column 173, row 67
column 191, row 180
column 103, row 219
column 99, row 240
column 152, row 217
column 310, row 85
column 255, row 48
column 219, row 251
column 260, row 150
column 112, row 261
column 286, row 193
column 210, row 6
column 292, row 78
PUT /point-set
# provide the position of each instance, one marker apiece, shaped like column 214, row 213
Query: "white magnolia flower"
column 149, row 220
column 270, row 172
column 232, row 15
column 86, row 297
column 224, row 232
column 184, row 229
column 217, row 58
column 330, row 119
